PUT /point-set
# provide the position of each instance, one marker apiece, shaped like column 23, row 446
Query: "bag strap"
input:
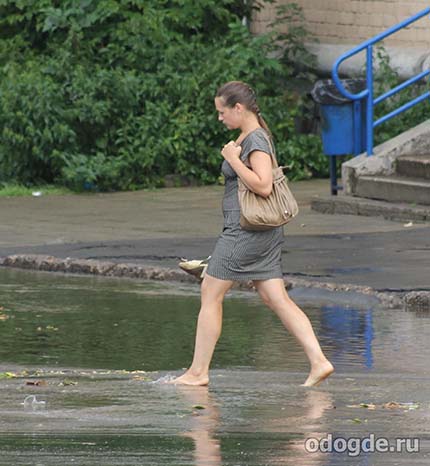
column 272, row 150
column 273, row 154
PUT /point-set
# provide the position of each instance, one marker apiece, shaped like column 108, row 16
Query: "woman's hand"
column 231, row 151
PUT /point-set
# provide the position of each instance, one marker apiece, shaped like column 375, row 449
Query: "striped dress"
column 242, row 255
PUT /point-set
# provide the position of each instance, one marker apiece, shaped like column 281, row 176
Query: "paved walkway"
column 158, row 227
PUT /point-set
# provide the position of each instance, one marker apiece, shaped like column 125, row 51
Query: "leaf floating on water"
column 67, row 382
column 36, row 383
column 363, row 405
column 7, row 375
column 51, row 327
column 391, row 405
column 357, row 420
column 395, row 405
column 367, row 405
column 199, row 407
column 143, row 378
column 412, row 406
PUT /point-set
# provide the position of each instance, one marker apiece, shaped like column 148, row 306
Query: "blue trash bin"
column 343, row 122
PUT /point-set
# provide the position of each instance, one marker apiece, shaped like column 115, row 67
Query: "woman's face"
column 231, row 117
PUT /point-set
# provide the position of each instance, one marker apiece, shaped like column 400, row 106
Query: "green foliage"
column 386, row 78
column 290, row 40
column 14, row 190
column 115, row 94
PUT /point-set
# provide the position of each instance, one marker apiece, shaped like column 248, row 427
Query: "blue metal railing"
column 368, row 92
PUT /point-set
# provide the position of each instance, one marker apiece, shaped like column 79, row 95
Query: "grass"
column 14, row 190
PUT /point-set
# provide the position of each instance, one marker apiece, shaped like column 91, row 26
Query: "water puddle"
column 95, row 353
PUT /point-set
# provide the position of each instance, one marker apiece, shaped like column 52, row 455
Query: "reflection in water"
column 82, row 322
column 345, row 329
column 311, row 424
column 204, row 424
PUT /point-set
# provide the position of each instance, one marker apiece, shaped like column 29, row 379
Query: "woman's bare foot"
column 319, row 374
column 190, row 379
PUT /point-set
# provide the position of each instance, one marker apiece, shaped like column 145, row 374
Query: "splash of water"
column 164, row 379
column 31, row 402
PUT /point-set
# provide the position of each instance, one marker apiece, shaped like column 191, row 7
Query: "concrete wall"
column 340, row 24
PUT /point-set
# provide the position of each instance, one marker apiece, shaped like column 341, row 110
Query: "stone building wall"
column 353, row 21
column 341, row 24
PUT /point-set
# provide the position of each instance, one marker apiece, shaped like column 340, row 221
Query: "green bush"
column 386, row 78
column 115, row 94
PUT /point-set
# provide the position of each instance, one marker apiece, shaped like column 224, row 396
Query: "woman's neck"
column 247, row 128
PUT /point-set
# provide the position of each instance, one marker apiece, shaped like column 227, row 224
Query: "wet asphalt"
column 158, row 227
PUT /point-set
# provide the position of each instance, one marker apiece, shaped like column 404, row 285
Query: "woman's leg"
column 274, row 294
column 209, row 326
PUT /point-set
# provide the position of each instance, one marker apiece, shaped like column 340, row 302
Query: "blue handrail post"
column 369, row 101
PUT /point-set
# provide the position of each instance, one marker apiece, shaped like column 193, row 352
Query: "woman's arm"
column 260, row 178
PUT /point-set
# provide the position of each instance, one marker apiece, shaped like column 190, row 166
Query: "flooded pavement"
column 96, row 351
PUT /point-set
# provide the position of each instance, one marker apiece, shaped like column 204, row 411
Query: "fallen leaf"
column 395, row 405
column 367, row 405
column 143, row 378
column 67, row 382
column 198, row 407
column 412, row 405
column 7, row 375
column 391, row 405
column 362, row 405
column 36, row 383
column 51, row 327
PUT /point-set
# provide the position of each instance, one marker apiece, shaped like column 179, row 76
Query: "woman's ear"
column 239, row 107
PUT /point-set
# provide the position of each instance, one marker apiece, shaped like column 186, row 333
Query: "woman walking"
column 242, row 254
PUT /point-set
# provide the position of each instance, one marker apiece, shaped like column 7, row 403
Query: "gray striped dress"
column 242, row 254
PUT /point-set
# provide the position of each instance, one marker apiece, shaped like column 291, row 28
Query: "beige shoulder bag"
column 263, row 213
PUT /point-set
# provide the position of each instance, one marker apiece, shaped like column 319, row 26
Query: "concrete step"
column 415, row 166
column 349, row 205
column 394, row 189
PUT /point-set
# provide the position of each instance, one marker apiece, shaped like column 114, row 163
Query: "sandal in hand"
column 194, row 267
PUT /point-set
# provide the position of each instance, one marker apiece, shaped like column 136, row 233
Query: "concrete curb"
column 412, row 301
